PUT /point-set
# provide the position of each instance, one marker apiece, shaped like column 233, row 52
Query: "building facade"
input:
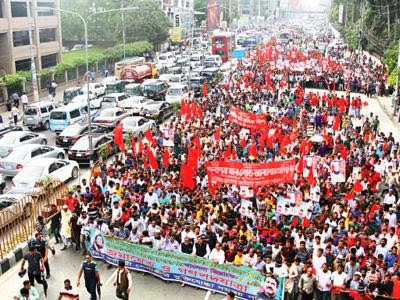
column 15, row 49
column 180, row 14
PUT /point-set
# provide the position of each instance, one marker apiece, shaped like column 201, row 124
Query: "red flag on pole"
column 357, row 187
column 166, row 158
column 119, row 137
column 149, row 136
column 204, row 90
column 336, row 123
column 141, row 147
column 133, row 145
column 152, row 159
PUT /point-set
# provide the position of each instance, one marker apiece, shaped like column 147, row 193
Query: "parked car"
column 212, row 61
column 177, row 92
column 37, row 115
column 30, row 177
column 11, row 212
column 178, row 79
column 196, row 84
column 71, row 93
column 135, row 104
column 133, row 89
column 80, row 151
column 113, row 100
column 6, row 128
column 96, row 89
column 14, row 139
column 95, row 103
column 158, row 111
column 16, row 160
column 111, row 116
column 138, row 125
column 155, row 89
column 70, row 135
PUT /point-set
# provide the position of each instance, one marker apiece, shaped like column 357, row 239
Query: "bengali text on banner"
column 247, row 174
column 247, row 120
column 175, row 266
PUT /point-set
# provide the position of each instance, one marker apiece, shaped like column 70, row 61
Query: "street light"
column 123, row 9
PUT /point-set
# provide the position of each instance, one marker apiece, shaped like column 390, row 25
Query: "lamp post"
column 87, row 60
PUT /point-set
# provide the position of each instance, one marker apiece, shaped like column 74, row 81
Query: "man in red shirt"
column 70, row 201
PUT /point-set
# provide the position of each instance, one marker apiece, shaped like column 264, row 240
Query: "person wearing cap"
column 123, row 281
column 355, row 282
column 66, row 232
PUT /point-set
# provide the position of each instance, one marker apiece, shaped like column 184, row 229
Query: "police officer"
column 91, row 275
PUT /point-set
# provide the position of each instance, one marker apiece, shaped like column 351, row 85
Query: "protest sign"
column 247, row 120
column 246, row 174
column 338, row 171
column 174, row 266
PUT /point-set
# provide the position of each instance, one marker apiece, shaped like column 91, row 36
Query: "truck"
column 139, row 72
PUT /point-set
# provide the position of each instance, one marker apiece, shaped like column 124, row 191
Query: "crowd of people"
column 158, row 194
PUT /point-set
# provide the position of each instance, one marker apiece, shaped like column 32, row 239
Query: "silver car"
column 17, row 159
column 14, row 139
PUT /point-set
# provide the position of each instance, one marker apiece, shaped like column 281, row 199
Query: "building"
column 180, row 14
column 15, row 50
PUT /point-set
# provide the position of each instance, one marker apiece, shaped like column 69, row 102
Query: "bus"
column 119, row 65
column 223, row 44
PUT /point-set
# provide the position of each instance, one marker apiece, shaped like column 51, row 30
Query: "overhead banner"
column 174, row 266
column 247, row 120
column 246, row 174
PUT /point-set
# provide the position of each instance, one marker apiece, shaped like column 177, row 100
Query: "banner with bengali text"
column 175, row 266
column 247, row 174
column 247, row 120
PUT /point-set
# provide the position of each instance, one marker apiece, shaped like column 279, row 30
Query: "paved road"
column 65, row 264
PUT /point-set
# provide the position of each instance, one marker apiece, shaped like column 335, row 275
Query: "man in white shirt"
column 217, row 254
column 318, row 259
column 123, row 281
column 339, row 279
column 116, row 212
column 389, row 199
column 250, row 258
column 25, row 101
column 150, row 197
column 323, row 282
column 382, row 248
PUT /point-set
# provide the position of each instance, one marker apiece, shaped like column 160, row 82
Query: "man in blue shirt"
column 391, row 257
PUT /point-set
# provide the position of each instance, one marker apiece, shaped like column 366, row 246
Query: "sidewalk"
column 386, row 104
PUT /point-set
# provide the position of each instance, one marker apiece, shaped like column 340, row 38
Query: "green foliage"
column 392, row 78
column 14, row 82
column 103, row 152
column 390, row 56
column 147, row 23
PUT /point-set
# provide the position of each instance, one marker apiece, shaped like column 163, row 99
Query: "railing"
column 17, row 222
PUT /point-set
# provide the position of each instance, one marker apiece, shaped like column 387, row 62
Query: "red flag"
column 193, row 159
column 227, row 153
column 166, row 158
column 300, row 165
column 133, row 145
column 149, row 136
column 234, row 152
column 196, row 143
column 365, row 103
column 217, row 134
column 204, row 90
column 252, row 150
column 109, row 149
column 306, row 222
column 295, row 221
column 187, row 174
column 357, row 187
column 336, row 123
column 141, row 147
column 145, row 162
column 119, row 137
column 349, row 196
column 311, row 179
column 152, row 159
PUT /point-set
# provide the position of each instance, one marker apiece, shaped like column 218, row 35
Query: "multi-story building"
column 15, row 49
column 180, row 13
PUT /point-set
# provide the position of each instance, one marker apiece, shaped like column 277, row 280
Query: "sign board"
column 176, row 34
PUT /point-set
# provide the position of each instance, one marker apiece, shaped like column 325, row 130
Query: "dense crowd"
column 157, row 193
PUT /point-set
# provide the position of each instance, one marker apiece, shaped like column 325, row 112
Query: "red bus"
column 223, row 44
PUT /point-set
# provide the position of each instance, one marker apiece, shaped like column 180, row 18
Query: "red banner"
column 247, row 120
column 246, row 174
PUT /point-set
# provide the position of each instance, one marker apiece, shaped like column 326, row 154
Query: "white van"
column 61, row 118
column 166, row 60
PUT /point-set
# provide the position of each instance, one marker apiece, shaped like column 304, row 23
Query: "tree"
column 147, row 23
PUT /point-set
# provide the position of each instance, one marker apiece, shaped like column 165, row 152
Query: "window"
column 36, row 152
column 49, row 61
column 75, row 113
column 47, row 35
column 43, row 110
column 23, row 65
column 45, row 12
column 20, row 38
column 18, row 9
column 1, row 9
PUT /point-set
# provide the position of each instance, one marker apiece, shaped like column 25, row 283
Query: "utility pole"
column 388, row 20
column 360, row 47
column 32, row 54
column 397, row 82
column 123, row 26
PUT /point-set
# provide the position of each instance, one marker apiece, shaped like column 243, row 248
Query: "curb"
column 13, row 258
column 388, row 113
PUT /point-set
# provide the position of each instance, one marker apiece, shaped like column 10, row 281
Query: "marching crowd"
column 158, row 194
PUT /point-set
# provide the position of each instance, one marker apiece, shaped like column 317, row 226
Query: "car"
column 77, row 47
column 16, row 160
column 137, row 125
column 196, row 84
column 209, row 73
column 196, row 60
column 165, row 77
column 135, row 104
column 113, row 100
column 177, row 92
column 10, row 209
column 133, row 89
column 212, row 61
column 166, row 60
column 14, row 139
column 111, row 116
column 70, row 135
column 71, row 93
column 80, row 151
column 155, row 89
column 96, row 89
column 178, row 79
column 37, row 115
column 158, row 111
column 6, row 128
column 31, row 177
column 94, row 102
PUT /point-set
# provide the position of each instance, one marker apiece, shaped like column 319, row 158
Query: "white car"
column 111, row 116
column 14, row 139
column 96, row 89
column 94, row 102
column 177, row 92
column 166, row 60
column 29, row 178
column 137, row 125
column 114, row 99
column 212, row 61
column 135, row 103
column 196, row 60
column 165, row 77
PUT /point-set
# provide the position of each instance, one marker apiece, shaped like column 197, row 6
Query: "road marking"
column 109, row 279
column 208, row 294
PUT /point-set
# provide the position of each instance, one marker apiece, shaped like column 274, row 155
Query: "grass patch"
column 69, row 58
